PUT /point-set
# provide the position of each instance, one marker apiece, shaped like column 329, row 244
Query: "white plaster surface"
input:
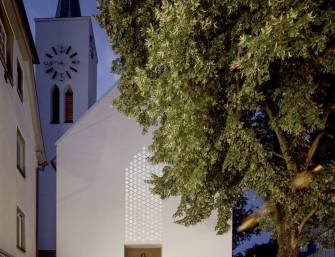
column 15, row 190
column 92, row 158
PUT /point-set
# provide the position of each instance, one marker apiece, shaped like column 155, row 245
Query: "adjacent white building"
column 104, row 207
column 21, row 144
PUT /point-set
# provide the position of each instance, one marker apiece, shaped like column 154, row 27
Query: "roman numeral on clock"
column 74, row 69
column 68, row 74
column 68, row 50
column 73, row 55
column 49, row 70
column 54, row 50
column 54, row 75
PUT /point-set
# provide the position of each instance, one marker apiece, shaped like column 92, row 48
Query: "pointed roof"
column 68, row 8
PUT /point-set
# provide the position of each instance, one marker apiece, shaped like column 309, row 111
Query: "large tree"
column 240, row 94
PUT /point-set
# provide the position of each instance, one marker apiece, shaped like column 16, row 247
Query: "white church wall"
column 193, row 241
column 53, row 32
column 92, row 158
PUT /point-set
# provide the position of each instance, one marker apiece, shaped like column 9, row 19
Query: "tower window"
column 68, row 106
column 20, row 230
column 55, row 105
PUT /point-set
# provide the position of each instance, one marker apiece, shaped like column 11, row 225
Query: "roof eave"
column 29, row 35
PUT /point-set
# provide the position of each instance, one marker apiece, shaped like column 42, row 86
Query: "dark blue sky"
column 47, row 8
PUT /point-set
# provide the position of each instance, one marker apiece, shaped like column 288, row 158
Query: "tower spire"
column 68, row 8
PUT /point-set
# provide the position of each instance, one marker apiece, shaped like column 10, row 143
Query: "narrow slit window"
column 55, row 105
column 69, row 106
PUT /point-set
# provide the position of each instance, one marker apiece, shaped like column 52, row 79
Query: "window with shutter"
column 69, row 106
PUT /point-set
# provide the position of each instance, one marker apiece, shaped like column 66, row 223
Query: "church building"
column 66, row 81
column 93, row 198
column 104, row 205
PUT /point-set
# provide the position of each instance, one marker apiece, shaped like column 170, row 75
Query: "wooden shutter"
column 69, row 106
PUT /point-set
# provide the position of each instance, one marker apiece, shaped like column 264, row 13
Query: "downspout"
column 37, row 206
column 39, row 169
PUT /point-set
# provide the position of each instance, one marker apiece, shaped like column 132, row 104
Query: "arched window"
column 68, row 105
column 55, row 105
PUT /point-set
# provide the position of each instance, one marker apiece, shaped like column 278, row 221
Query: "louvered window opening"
column 69, row 106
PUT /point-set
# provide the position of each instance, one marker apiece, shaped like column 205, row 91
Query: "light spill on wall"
column 143, row 216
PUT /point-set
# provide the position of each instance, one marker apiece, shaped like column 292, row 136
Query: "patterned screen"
column 143, row 209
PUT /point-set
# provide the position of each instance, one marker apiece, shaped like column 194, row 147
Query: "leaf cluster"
column 239, row 92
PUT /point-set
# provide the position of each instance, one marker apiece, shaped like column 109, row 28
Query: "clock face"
column 61, row 62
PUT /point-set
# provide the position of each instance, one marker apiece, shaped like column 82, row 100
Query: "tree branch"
column 309, row 215
column 320, row 60
column 316, row 141
column 283, row 143
column 278, row 155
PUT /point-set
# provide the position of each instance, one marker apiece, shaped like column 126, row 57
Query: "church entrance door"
column 143, row 252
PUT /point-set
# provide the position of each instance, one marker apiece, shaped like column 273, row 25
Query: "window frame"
column 19, row 151
column 19, row 82
column 20, row 230
column 68, row 106
column 55, row 105
column 7, row 61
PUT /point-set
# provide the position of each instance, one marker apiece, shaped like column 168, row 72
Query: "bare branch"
column 278, row 155
column 316, row 142
column 284, row 145
column 309, row 215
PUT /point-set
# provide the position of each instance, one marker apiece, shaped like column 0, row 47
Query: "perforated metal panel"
column 143, row 209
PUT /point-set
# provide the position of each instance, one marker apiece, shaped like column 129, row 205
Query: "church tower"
column 66, row 81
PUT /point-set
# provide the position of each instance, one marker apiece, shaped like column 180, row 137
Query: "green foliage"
column 241, row 96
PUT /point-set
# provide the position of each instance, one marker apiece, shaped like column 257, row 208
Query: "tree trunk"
column 288, row 244
column 288, row 252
